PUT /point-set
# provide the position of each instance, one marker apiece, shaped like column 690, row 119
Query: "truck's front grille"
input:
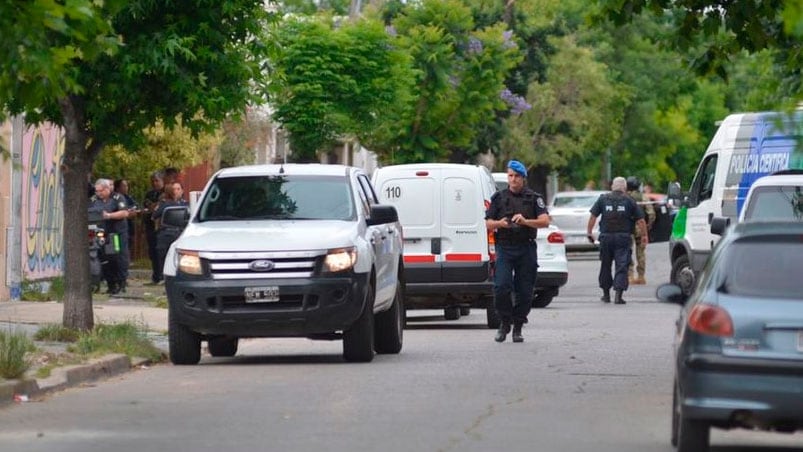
column 267, row 265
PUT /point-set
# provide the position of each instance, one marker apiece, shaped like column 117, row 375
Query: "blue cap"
column 518, row 167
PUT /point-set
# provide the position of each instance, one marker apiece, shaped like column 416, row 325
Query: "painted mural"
column 42, row 206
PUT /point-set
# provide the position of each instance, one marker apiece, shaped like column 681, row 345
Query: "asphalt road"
column 589, row 377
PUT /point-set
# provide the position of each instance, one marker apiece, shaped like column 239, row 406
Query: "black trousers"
column 614, row 249
column 153, row 255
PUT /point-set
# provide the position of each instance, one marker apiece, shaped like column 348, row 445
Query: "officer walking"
column 634, row 191
column 514, row 215
column 152, row 198
column 115, row 214
column 620, row 216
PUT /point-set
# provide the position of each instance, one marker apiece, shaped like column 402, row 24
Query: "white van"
column 745, row 147
column 441, row 207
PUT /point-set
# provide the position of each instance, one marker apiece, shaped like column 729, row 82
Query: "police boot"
column 619, row 299
column 517, row 337
column 606, row 296
column 501, row 333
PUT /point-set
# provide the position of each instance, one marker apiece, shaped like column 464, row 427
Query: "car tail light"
column 555, row 237
column 711, row 320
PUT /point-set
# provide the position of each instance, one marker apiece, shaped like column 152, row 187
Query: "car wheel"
column 451, row 312
column 542, row 299
column 692, row 434
column 389, row 325
column 683, row 275
column 184, row 344
column 358, row 341
column 465, row 310
column 490, row 315
column 223, row 346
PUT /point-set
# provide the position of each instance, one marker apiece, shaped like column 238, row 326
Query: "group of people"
column 514, row 216
column 117, row 211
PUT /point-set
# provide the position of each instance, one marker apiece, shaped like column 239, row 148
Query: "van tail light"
column 555, row 237
column 710, row 320
column 491, row 246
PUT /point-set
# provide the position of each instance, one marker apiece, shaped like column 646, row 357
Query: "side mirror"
column 671, row 293
column 673, row 191
column 719, row 225
column 382, row 214
column 176, row 216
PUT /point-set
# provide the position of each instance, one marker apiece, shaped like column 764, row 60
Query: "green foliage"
column 242, row 137
column 459, row 76
column 332, row 81
column 43, row 290
column 54, row 332
column 127, row 338
column 13, row 349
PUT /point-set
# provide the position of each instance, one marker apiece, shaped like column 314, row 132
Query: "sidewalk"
column 136, row 305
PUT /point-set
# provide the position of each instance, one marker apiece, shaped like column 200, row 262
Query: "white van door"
column 464, row 241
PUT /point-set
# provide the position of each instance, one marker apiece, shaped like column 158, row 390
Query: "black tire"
column 389, row 325
column 184, row 344
column 358, row 341
column 688, row 435
column 223, row 346
column 683, row 275
column 451, row 312
column 465, row 310
column 542, row 299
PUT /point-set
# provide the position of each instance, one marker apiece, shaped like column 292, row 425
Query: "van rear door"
column 464, row 242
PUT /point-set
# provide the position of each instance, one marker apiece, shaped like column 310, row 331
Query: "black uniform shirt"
column 619, row 212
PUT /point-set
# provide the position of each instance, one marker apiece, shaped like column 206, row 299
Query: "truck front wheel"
column 683, row 275
column 184, row 344
column 358, row 341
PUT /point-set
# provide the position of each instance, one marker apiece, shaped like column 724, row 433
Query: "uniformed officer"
column 634, row 191
column 115, row 214
column 620, row 216
column 514, row 215
column 166, row 235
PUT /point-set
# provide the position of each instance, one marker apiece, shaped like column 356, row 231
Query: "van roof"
column 407, row 166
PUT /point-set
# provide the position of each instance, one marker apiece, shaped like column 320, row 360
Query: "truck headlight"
column 189, row 262
column 340, row 259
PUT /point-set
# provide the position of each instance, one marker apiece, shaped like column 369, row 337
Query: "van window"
column 783, row 203
column 703, row 184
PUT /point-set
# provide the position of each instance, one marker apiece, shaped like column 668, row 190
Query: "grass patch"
column 157, row 301
column 44, row 290
column 14, row 347
column 55, row 332
column 127, row 338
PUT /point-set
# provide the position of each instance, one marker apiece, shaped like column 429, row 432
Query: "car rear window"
column 575, row 201
column 776, row 203
column 764, row 268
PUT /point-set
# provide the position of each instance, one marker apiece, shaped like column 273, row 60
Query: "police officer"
column 514, row 215
column 166, row 235
column 115, row 214
column 152, row 198
column 620, row 216
column 634, row 191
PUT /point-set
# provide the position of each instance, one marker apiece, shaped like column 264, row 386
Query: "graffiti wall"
column 42, row 206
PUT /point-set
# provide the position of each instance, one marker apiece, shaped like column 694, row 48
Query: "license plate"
column 266, row 294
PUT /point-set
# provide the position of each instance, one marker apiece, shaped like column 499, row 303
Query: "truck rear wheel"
column 184, row 344
column 358, row 341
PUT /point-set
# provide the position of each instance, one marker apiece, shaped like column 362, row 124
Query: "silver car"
column 739, row 339
column 570, row 212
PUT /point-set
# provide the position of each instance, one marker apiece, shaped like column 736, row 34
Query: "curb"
column 65, row 377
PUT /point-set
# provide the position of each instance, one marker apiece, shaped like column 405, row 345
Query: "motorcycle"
column 97, row 243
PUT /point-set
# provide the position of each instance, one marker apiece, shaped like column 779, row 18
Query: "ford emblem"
column 261, row 265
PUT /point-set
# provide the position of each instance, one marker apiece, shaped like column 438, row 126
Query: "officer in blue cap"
column 514, row 216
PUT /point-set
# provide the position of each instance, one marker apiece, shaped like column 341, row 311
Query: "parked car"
column 739, row 340
column 298, row 250
column 570, row 212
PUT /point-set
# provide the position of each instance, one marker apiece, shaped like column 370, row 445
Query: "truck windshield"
column 278, row 198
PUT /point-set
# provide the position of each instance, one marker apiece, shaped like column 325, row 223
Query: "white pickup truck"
column 298, row 250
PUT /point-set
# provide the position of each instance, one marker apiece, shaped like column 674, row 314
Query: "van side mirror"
column 176, row 216
column 719, row 225
column 673, row 191
column 383, row 214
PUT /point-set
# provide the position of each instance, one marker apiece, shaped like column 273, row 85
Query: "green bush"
column 13, row 349
column 44, row 290
column 127, row 338
column 55, row 332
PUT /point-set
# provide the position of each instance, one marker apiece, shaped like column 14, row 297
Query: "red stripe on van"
column 418, row 259
column 464, row 257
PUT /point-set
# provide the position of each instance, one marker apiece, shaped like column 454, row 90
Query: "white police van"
column 745, row 147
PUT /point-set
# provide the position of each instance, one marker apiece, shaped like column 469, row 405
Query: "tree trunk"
column 75, row 168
